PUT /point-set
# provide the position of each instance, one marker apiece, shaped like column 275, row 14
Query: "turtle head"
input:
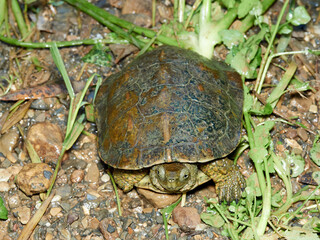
column 174, row 177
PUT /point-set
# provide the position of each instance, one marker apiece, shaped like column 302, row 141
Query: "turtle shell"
column 169, row 105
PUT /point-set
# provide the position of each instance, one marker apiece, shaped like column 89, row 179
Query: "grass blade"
column 19, row 18
column 28, row 229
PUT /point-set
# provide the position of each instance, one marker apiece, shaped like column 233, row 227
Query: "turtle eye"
column 184, row 175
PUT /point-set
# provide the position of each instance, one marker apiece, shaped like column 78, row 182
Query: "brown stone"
column 7, row 143
column 187, row 218
column 159, row 200
column 302, row 134
column 93, row 173
column 46, row 139
column 77, row 176
column 108, row 232
column 24, row 214
column 34, row 178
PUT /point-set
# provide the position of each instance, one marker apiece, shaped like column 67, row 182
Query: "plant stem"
column 181, row 10
column 259, row 81
column 56, row 170
column 19, row 18
column 284, row 208
column 116, row 192
column 266, row 207
column 209, row 31
column 248, row 21
column 18, row 43
column 3, row 7
column 112, row 22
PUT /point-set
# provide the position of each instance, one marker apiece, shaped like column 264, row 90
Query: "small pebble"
column 105, row 178
column 86, row 209
column 93, row 223
column 111, row 229
column 130, row 230
column 8, row 141
column 64, row 192
column 291, row 133
column 93, row 173
column 108, row 228
column 72, row 217
column 24, row 214
column 293, row 144
column 65, row 234
column 14, row 201
column 313, row 109
column 302, row 134
column 55, row 211
column 49, row 236
column 77, row 176
column 5, row 186
column 187, row 218
column 87, row 153
column 4, row 175
column 126, row 223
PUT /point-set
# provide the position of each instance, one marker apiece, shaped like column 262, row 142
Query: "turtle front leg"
column 126, row 179
column 228, row 180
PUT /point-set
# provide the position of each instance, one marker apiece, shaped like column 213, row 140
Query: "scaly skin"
column 181, row 177
column 126, row 179
column 228, row 180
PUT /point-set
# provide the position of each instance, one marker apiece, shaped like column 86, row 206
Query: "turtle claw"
column 231, row 186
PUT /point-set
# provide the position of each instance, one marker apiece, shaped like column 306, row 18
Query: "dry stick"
column 281, row 115
column 28, row 229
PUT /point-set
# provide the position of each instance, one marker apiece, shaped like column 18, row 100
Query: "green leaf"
column 315, row 153
column 265, row 111
column 3, row 210
column 98, row 56
column 231, row 37
column 317, row 228
column 299, row 85
column 295, row 163
column 248, row 99
column 258, row 154
column 253, row 188
column 60, row 65
column 297, row 233
column 89, row 109
column 276, row 199
column 283, row 43
column 74, row 133
column 300, row 16
column 248, row 233
column 228, row 3
column 211, row 219
column 166, row 213
column 257, row 10
column 285, row 29
column 245, row 7
column 246, row 56
column 316, row 176
column 261, row 134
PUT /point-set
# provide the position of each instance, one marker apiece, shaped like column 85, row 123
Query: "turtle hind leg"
column 228, row 179
column 126, row 179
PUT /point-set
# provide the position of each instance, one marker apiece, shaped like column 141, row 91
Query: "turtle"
column 168, row 120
